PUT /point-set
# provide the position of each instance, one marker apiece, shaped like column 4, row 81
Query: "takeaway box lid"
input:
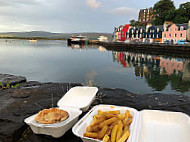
column 78, row 97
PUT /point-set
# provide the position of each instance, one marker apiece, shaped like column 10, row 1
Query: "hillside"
column 43, row 34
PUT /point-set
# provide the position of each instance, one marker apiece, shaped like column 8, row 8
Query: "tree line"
column 164, row 10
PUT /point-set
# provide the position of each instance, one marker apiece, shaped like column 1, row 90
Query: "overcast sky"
column 64, row 16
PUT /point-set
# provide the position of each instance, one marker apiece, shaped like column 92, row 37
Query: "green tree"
column 180, row 19
column 135, row 23
column 161, row 9
column 171, row 15
column 157, row 81
column 184, row 11
column 132, row 22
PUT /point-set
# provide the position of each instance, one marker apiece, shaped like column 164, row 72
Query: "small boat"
column 32, row 40
column 81, row 40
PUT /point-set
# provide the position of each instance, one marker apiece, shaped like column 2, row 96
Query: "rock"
column 16, row 104
column 12, row 80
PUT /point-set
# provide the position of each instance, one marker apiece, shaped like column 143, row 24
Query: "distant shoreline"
column 31, row 38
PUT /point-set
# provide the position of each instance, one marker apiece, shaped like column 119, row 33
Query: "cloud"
column 94, row 4
column 18, row 2
column 124, row 12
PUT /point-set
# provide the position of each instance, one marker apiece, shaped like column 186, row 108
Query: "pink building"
column 174, row 33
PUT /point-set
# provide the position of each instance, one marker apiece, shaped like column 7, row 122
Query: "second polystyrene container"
column 78, row 97
column 76, row 100
column 146, row 126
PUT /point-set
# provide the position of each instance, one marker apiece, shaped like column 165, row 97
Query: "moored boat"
column 81, row 40
column 32, row 40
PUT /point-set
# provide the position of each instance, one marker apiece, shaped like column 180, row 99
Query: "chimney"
column 148, row 25
column 166, row 24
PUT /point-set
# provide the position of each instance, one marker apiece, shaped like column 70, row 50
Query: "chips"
column 110, row 126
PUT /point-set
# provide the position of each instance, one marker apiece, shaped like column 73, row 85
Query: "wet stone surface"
column 16, row 104
column 11, row 79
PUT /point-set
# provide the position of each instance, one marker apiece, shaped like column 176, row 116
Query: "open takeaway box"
column 146, row 126
column 76, row 100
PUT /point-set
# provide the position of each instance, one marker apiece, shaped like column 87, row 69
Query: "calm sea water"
column 54, row 61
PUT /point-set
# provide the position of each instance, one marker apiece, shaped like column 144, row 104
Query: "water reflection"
column 158, row 71
column 77, row 46
column 54, row 61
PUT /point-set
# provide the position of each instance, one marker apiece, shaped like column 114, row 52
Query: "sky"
column 68, row 16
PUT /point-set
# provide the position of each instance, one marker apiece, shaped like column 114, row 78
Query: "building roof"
column 161, row 27
column 145, row 10
column 185, row 26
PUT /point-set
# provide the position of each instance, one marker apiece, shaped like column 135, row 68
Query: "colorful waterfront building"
column 135, row 34
column 153, row 34
column 119, row 33
column 174, row 33
column 146, row 34
column 122, row 33
column 116, row 31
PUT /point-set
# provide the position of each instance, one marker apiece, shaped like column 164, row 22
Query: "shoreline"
column 19, row 103
column 182, row 51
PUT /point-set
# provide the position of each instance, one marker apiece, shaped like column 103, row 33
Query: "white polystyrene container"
column 74, row 101
column 146, row 126
column 163, row 126
column 79, row 97
column 57, row 129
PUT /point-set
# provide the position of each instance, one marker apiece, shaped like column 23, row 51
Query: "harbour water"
column 54, row 61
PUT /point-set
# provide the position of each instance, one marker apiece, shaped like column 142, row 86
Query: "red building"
column 122, row 32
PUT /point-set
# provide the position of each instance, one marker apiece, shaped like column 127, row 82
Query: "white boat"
column 32, row 40
column 77, row 40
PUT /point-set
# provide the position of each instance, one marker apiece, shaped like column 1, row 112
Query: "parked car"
column 182, row 42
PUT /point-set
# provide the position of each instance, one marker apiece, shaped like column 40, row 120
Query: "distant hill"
column 43, row 34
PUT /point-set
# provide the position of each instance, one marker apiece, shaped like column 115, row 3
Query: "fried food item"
column 106, row 138
column 120, row 130
column 108, row 122
column 96, row 121
column 113, row 133
column 91, row 135
column 124, row 137
column 108, row 112
column 110, row 126
column 53, row 115
column 126, row 115
column 103, row 131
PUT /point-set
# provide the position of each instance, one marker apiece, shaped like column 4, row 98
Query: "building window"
column 169, row 35
column 164, row 35
column 180, row 35
column 175, row 29
column 170, row 30
column 175, row 35
column 181, row 28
